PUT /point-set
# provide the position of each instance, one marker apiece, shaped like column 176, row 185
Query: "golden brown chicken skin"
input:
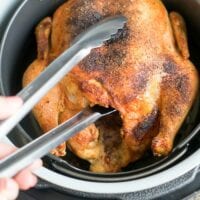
column 144, row 72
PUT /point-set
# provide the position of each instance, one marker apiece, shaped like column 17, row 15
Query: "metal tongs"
column 93, row 37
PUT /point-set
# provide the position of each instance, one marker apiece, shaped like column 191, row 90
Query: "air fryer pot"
column 150, row 177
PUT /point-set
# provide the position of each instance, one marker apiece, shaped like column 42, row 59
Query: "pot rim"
column 151, row 181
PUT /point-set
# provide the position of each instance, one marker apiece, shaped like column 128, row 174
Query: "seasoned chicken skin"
column 144, row 72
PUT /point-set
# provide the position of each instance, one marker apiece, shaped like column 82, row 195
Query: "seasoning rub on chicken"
column 144, row 72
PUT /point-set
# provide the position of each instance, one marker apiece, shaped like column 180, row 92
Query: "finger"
column 9, row 105
column 8, row 189
column 25, row 178
column 6, row 149
column 35, row 165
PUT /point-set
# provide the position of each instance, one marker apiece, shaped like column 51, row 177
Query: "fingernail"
column 9, row 105
column 14, row 101
column 37, row 164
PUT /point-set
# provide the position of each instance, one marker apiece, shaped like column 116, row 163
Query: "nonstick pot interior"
column 19, row 50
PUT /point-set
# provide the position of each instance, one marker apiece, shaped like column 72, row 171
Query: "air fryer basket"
column 23, row 51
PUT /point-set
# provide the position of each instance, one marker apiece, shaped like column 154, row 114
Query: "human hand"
column 9, row 187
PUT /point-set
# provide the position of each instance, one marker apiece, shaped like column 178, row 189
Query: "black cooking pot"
column 18, row 50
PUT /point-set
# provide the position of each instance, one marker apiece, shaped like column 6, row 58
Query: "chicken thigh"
column 144, row 72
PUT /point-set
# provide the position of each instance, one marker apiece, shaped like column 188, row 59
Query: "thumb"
column 8, row 189
column 9, row 105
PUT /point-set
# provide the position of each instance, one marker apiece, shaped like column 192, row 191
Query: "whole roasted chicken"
column 144, row 72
